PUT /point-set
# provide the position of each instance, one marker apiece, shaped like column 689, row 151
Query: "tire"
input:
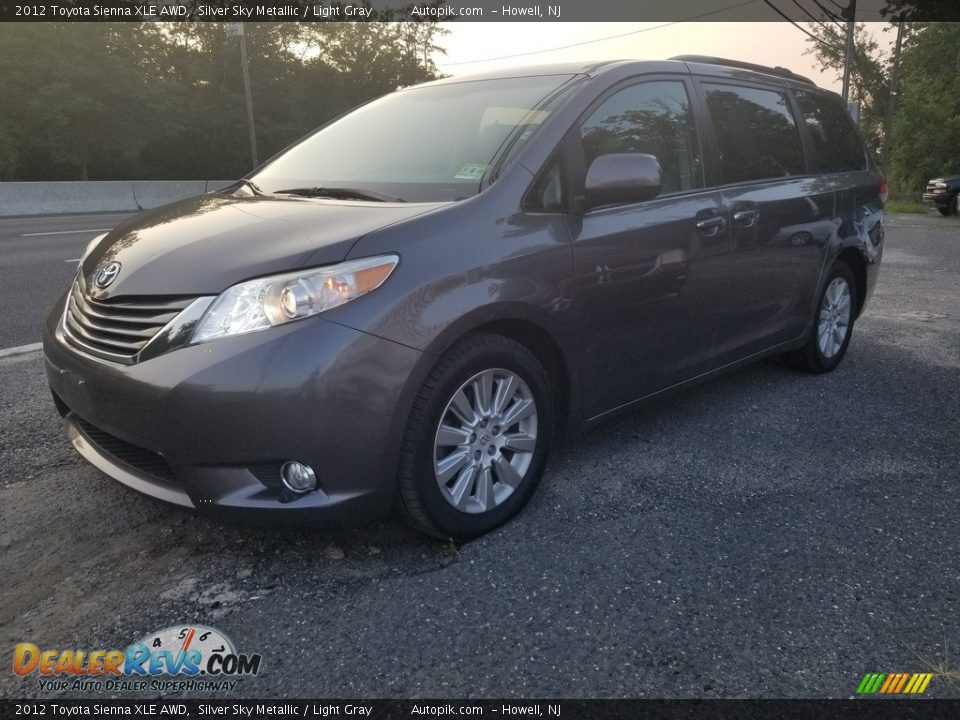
column 463, row 471
column 950, row 209
column 824, row 349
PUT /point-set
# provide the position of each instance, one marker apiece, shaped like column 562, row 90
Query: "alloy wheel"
column 834, row 321
column 485, row 440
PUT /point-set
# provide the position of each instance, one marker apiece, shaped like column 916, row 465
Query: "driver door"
column 647, row 274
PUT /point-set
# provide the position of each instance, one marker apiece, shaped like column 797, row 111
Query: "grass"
column 940, row 666
column 907, row 206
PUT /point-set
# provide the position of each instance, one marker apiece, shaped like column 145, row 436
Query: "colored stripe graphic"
column 894, row 683
column 914, row 681
column 891, row 681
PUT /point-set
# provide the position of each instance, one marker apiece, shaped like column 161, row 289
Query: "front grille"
column 116, row 329
column 140, row 459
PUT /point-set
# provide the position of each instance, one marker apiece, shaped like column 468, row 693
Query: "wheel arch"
column 548, row 352
column 853, row 258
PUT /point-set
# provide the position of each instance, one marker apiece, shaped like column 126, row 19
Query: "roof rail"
column 710, row 60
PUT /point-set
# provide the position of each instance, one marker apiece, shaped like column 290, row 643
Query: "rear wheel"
column 477, row 440
column 833, row 324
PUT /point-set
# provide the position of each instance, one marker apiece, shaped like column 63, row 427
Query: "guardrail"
column 57, row 198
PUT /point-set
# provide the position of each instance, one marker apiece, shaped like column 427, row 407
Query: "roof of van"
column 682, row 63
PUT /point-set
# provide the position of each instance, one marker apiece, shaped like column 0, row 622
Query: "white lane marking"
column 66, row 232
column 74, row 260
column 21, row 350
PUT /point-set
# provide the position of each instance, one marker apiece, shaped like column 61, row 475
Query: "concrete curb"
column 21, row 350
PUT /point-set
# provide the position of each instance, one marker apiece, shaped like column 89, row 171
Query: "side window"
column 757, row 136
column 547, row 193
column 836, row 145
column 653, row 118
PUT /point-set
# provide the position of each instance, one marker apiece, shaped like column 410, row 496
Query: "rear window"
column 836, row 145
column 757, row 136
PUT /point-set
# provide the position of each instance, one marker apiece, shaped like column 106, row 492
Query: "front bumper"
column 209, row 426
column 939, row 199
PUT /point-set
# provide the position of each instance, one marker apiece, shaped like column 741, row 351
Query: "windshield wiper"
column 249, row 183
column 341, row 193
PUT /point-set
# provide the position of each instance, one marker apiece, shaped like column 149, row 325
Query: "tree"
column 926, row 127
column 166, row 100
column 72, row 96
column 923, row 10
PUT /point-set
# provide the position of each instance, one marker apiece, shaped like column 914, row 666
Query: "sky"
column 767, row 43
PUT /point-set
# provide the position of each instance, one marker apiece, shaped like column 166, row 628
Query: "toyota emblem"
column 106, row 275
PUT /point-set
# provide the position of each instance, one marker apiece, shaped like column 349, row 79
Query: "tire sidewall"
column 452, row 522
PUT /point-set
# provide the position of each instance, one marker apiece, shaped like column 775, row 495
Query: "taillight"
column 884, row 190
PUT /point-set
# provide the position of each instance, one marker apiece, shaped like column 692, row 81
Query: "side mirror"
column 622, row 178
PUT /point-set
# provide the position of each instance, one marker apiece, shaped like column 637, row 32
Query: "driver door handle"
column 711, row 225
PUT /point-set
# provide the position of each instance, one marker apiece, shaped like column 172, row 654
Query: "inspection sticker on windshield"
column 471, row 171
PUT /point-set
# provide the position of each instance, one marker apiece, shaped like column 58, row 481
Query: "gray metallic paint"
column 634, row 298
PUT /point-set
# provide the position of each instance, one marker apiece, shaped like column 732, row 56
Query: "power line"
column 810, row 15
column 806, row 32
column 836, row 18
column 603, row 39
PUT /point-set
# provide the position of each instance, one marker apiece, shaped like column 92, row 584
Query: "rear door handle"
column 745, row 217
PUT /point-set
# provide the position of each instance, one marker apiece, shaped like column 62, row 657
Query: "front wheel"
column 950, row 209
column 477, row 440
column 833, row 324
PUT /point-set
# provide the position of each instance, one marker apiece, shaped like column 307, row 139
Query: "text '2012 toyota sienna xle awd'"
column 409, row 305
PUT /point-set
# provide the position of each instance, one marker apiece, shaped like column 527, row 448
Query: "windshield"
column 432, row 143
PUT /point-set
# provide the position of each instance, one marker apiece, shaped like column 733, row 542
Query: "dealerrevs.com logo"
column 187, row 657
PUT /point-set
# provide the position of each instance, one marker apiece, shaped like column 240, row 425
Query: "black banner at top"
column 476, row 10
column 448, row 709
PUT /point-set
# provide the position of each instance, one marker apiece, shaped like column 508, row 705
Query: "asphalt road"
column 770, row 534
column 37, row 261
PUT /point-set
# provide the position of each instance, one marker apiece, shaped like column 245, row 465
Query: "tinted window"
column 836, row 146
column 756, row 134
column 652, row 118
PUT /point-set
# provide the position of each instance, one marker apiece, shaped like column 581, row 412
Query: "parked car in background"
column 942, row 194
column 410, row 305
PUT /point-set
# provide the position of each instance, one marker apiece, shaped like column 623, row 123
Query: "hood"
column 945, row 179
column 205, row 244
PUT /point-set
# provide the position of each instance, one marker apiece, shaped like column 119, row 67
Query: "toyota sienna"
column 407, row 307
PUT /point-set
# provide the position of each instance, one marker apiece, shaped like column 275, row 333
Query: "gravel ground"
column 769, row 534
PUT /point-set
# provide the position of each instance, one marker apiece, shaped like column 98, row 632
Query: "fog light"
column 298, row 477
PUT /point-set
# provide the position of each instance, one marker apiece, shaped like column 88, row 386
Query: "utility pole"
column 850, row 15
column 236, row 29
column 894, row 90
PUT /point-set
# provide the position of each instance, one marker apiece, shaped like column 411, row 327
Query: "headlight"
column 91, row 245
column 939, row 184
column 260, row 304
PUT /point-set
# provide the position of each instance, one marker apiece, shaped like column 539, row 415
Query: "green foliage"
column 926, row 128
column 925, row 135
column 166, row 101
column 925, row 10
column 8, row 155
column 906, row 207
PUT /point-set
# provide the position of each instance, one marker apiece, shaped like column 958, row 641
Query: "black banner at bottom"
column 510, row 709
